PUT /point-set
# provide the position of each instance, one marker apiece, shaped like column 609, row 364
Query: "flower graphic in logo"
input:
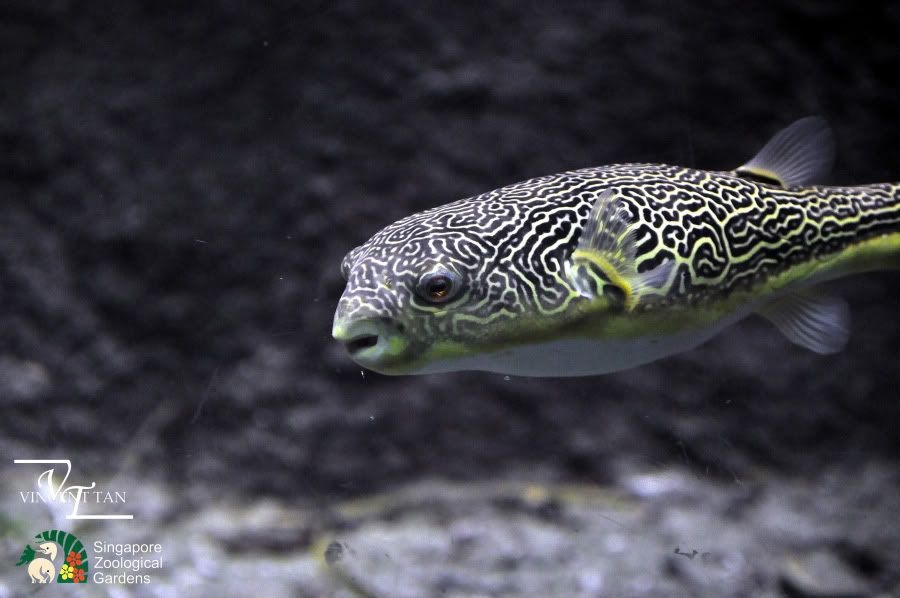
column 39, row 558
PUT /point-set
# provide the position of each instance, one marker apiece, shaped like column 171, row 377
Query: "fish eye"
column 439, row 287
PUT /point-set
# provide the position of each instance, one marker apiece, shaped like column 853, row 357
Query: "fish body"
column 600, row 269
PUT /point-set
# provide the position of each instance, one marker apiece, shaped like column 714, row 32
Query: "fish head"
column 404, row 305
column 438, row 289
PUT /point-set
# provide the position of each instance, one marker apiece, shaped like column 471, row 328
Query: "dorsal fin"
column 604, row 265
column 801, row 154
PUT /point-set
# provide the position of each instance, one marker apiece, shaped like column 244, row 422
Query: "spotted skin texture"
column 510, row 247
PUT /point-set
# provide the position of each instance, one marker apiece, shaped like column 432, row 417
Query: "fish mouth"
column 370, row 342
column 361, row 343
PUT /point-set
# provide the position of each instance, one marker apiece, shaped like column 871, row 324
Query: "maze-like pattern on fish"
column 510, row 245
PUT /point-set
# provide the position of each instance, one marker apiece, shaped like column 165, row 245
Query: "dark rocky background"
column 179, row 182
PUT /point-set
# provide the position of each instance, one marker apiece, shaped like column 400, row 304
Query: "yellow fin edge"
column 610, row 271
column 763, row 173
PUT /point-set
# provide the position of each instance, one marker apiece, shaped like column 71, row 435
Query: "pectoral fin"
column 801, row 154
column 820, row 323
column 603, row 266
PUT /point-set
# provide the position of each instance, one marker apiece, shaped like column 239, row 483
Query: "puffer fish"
column 601, row 269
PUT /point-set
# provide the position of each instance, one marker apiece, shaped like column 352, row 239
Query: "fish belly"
column 585, row 356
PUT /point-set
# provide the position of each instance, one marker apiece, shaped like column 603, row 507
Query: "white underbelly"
column 580, row 356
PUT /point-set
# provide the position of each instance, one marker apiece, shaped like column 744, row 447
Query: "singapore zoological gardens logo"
column 44, row 565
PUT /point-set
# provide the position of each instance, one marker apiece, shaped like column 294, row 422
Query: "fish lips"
column 371, row 343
